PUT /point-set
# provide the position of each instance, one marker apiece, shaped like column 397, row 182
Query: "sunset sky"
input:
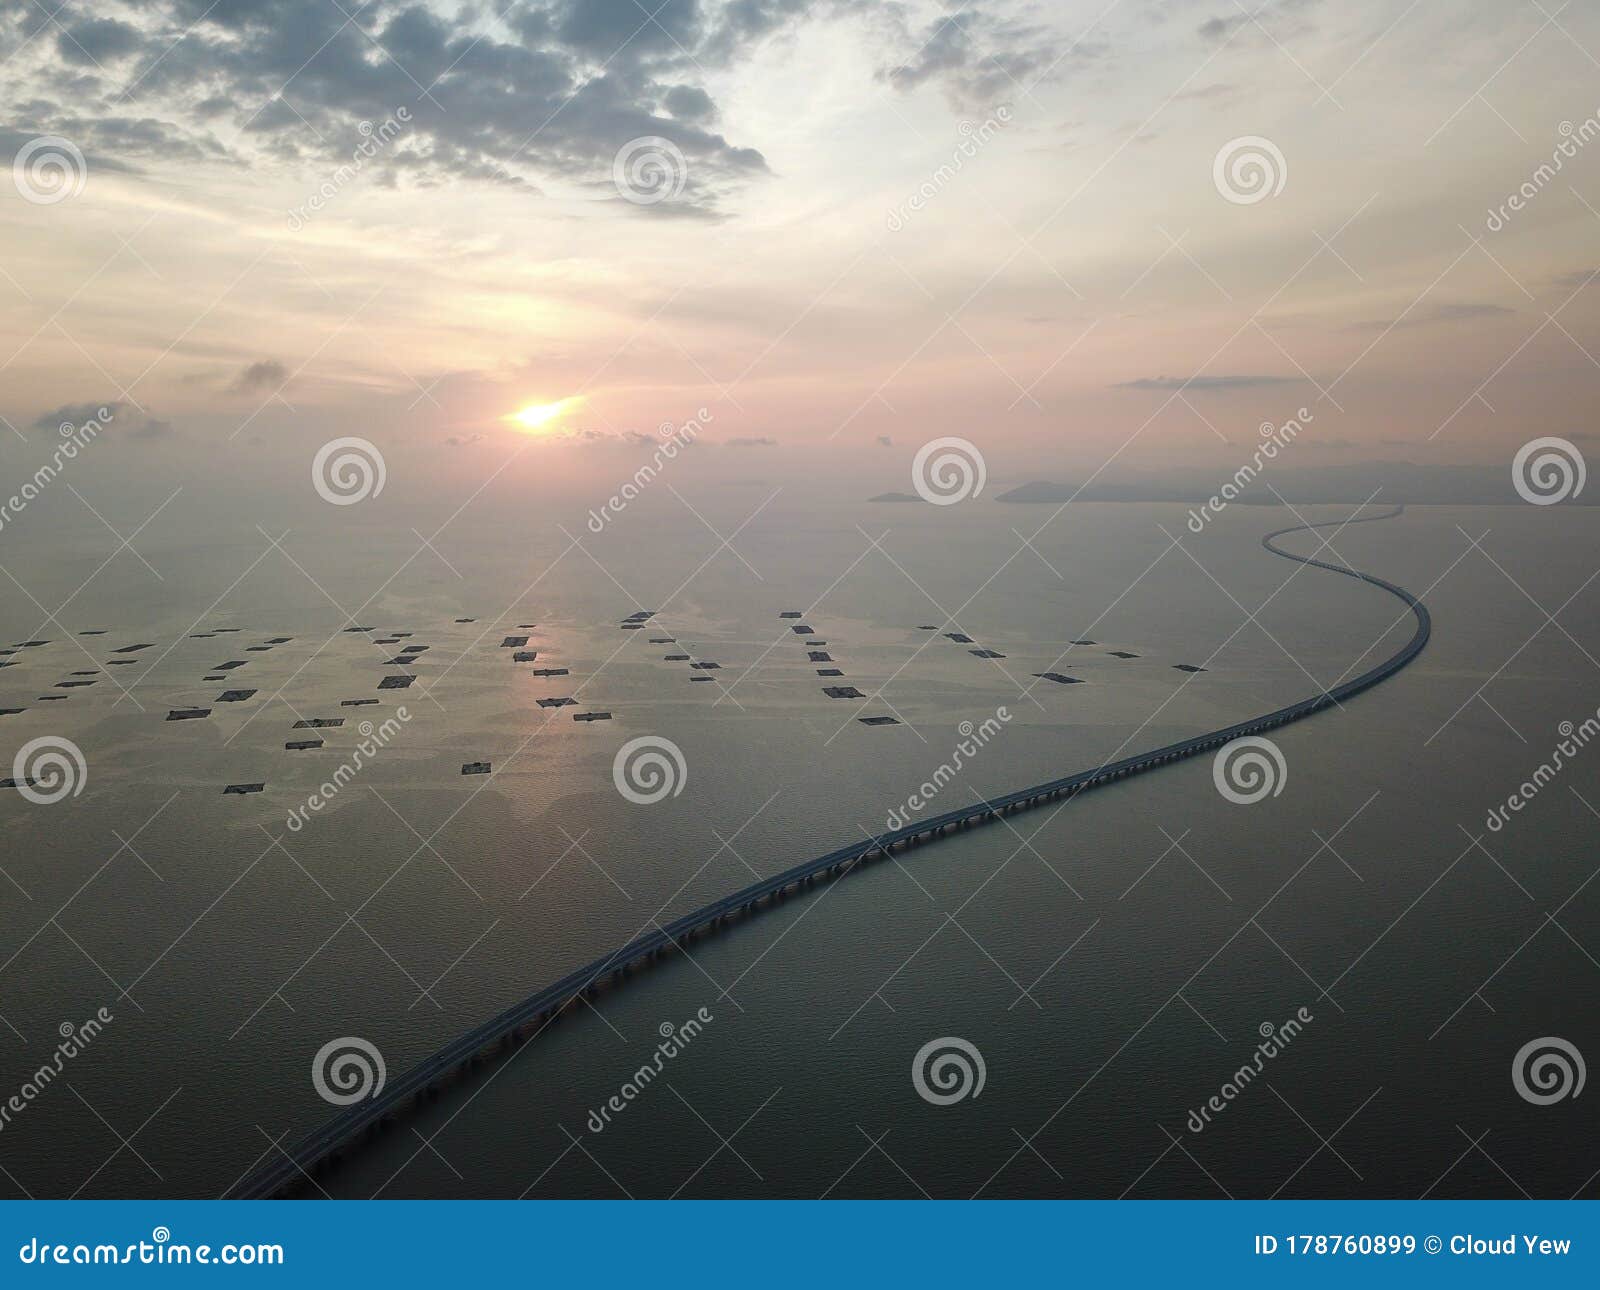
column 810, row 275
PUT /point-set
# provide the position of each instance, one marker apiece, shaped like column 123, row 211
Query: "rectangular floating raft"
column 299, row 745
column 188, row 714
column 475, row 768
column 243, row 788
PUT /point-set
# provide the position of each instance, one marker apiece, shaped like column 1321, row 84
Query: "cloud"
column 75, row 414
column 96, row 41
column 1576, row 279
column 112, row 416
column 975, row 56
column 463, row 440
column 1284, row 20
column 1445, row 313
column 689, row 103
column 268, row 374
column 547, row 87
column 1206, row 382
column 751, row 441
column 885, row 441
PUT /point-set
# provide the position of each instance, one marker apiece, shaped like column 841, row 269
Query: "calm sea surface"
column 1114, row 962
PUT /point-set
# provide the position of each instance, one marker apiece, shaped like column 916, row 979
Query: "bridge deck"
column 524, row 1019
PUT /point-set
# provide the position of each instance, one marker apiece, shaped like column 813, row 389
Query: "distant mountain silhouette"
column 1393, row 482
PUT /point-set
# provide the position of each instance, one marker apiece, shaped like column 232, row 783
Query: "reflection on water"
column 1113, row 962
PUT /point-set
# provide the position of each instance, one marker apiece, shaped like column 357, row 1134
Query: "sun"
column 538, row 417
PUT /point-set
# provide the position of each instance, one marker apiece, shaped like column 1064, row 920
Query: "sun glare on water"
column 541, row 418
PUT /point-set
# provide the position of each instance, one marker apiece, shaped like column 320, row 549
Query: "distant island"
column 1388, row 481
column 895, row 497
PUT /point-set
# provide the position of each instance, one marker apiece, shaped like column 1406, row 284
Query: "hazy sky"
column 870, row 224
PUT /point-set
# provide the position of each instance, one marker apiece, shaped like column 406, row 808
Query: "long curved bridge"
column 521, row 1022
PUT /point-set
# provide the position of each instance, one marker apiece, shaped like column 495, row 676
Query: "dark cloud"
column 884, row 441
column 1205, row 382
column 751, row 441
column 689, row 103
column 570, row 85
column 978, row 57
column 76, row 414
column 96, row 41
column 113, row 416
column 268, row 374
